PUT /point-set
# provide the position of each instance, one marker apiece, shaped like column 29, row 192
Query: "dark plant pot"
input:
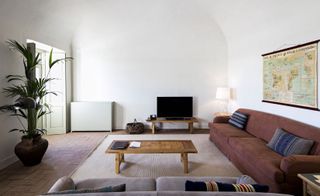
column 31, row 151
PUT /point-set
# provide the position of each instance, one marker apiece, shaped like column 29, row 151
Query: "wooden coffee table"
column 182, row 147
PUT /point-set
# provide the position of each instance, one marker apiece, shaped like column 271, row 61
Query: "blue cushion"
column 223, row 187
column 238, row 120
column 288, row 144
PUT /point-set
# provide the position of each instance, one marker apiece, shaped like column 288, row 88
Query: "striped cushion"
column 288, row 144
column 218, row 186
column 238, row 120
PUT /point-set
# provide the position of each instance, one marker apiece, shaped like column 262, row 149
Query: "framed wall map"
column 290, row 76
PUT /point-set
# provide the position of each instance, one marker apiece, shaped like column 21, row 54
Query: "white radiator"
column 91, row 116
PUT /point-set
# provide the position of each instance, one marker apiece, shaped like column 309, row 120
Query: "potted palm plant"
column 28, row 92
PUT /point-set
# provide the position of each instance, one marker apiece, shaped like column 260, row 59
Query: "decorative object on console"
column 288, row 144
column 153, row 117
column 290, row 76
column 135, row 127
column 222, row 187
column 238, row 120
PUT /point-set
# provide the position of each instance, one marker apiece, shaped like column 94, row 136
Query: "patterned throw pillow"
column 238, row 120
column 288, row 144
column 222, row 187
column 118, row 188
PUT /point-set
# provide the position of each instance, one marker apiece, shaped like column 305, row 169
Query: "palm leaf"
column 51, row 64
column 16, row 90
column 19, row 47
column 19, row 115
column 12, row 130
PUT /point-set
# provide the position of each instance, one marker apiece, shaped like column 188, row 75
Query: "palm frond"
column 52, row 63
column 16, row 90
column 13, row 44
column 8, row 108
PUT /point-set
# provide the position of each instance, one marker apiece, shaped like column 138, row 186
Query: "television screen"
column 174, row 107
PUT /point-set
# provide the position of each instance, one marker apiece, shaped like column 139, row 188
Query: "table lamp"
column 223, row 94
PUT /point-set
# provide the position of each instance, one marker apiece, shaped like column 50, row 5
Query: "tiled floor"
column 65, row 153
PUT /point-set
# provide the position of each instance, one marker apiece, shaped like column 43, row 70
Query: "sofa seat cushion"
column 132, row 184
column 224, row 131
column 133, row 193
column 199, row 193
column 255, row 152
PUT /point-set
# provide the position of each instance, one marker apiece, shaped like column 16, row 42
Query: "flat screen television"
column 174, row 107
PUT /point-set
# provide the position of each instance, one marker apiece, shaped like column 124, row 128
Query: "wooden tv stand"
column 163, row 120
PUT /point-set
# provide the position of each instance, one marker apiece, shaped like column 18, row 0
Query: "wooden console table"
column 163, row 120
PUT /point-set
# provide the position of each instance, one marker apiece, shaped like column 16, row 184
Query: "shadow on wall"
column 118, row 116
column 233, row 105
column 195, row 108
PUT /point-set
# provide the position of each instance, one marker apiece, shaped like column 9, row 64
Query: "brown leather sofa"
column 248, row 151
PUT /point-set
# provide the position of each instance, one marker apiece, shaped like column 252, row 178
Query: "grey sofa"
column 165, row 186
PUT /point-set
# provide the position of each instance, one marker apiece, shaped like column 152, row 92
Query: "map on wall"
column 290, row 76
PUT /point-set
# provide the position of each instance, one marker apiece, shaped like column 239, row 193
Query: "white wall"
column 20, row 20
column 255, row 27
column 131, row 52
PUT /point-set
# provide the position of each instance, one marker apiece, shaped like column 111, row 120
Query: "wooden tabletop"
column 157, row 146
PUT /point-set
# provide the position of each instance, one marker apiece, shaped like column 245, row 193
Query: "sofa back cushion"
column 263, row 125
column 239, row 120
column 288, row 144
column 223, row 187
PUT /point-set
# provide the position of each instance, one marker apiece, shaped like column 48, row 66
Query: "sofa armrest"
column 62, row 184
column 221, row 119
column 295, row 164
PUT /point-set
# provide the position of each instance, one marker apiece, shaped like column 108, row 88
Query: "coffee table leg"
column 122, row 157
column 117, row 163
column 185, row 162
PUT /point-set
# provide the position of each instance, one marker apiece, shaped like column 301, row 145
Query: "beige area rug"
column 209, row 161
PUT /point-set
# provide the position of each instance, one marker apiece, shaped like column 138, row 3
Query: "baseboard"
column 8, row 161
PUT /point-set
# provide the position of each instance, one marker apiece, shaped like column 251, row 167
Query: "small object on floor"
column 135, row 145
column 135, row 127
column 120, row 145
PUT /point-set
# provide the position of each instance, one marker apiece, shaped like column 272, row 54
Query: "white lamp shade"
column 223, row 93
